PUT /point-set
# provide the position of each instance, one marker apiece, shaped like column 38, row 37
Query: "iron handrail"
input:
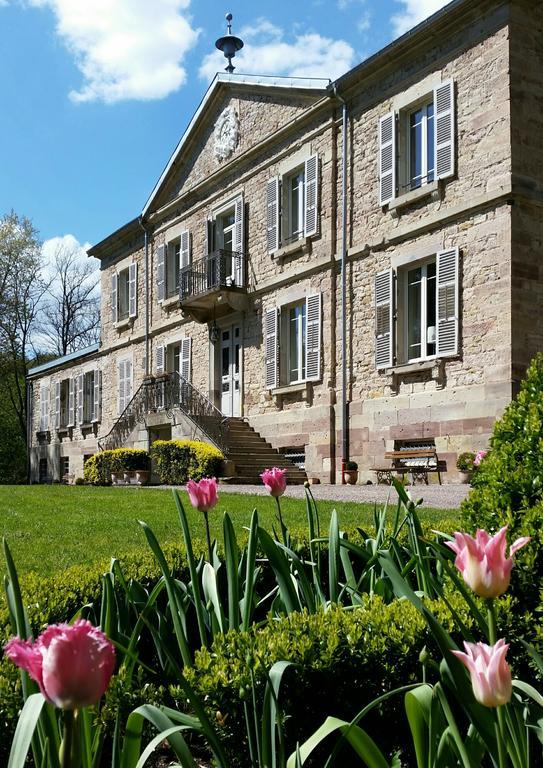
column 167, row 393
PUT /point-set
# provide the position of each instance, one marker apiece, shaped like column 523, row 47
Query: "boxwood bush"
column 508, row 485
column 98, row 468
column 177, row 461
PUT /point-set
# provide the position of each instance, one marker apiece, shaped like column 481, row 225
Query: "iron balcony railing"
column 168, row 393
column 217, row 271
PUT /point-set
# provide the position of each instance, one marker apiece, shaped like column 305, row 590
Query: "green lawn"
column 51, row 527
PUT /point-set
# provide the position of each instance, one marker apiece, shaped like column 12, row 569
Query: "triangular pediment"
column 237, row 114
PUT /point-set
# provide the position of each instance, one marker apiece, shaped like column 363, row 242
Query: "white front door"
column 231, row 371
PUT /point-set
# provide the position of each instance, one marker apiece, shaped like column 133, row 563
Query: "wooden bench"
column 423, row 462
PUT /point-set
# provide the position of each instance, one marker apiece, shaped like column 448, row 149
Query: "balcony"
column 213, row 286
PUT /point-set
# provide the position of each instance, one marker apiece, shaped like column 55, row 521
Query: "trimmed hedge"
column 177, row 461
column 98, row 468
column 343, row 659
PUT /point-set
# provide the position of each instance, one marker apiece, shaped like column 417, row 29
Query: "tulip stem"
column 284, row 531
column 500, row 725
column 67, row 740
column 208, row 537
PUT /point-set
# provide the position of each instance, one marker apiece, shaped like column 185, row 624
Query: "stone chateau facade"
column 231, row 278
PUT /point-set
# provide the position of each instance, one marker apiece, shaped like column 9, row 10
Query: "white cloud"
column 125, row 49
column 269, row 51
column 364, row 22
column 69, row 244
column 414, row 11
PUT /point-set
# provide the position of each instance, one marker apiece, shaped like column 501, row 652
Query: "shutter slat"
column 121, row 376
column 160, row 267
column 160, row 354
column 128, row 381
column 238, row 240
column 185, row 358
column 71, row 403
column 271, row 346
column 114, row 298
column 311, row 186
column 387, row 158
column 313, row 337
column 447, row 302
column 44, row 407
column 384, row 292
column 133, row 290
column 272, row 202
column 444, row 130
column 57, row 404
column 184, row 255
column 97, row 396
column 80, row 409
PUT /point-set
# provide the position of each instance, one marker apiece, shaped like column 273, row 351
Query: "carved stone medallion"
column 226, row 133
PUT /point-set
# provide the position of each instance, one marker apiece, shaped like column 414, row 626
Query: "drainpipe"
column 147, row 345
column 344, row 403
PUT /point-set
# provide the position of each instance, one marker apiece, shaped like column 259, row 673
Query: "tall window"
column 173, row 264
column 65, row 402
column 293, row 206
column 88, row 396
column 123, row 294
column 421, row 311
column 297, row 333
column 421, row 146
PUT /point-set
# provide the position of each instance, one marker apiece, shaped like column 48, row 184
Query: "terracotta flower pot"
column 117, row 478
column 465, row 476
column 351, row 476
column 129, row 476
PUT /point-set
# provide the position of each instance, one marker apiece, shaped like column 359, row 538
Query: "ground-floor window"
column 64, row 466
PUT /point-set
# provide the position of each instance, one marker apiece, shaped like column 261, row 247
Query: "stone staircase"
column 251, row 455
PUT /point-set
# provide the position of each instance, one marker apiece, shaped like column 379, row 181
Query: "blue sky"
column 97, row 93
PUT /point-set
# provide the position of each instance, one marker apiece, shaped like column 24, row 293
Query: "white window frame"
column 301, row 327
column 404, row 310
column 287, row 234
column 123, row 276
column 405, row 176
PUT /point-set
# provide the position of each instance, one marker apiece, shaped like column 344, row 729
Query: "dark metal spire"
column 229, row 44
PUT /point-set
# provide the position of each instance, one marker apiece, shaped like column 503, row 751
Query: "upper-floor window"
column 225, row 246
column 417, row 144
column 89, row 397
column 292, row 205
column 292, row 340
column 417, row 310
column 172, row 258
column 64, row 404
column 124, row 295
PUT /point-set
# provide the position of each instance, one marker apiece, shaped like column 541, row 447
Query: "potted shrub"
column 464, row 465
column 351, row 472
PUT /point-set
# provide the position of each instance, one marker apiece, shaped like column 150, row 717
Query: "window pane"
column 430, row 141
column 293, row 344
column 415, row 148
column 414, row 313
column 122, row 294
column 226, row 361
column 431, row 309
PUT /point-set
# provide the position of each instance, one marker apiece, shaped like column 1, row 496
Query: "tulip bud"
column 490, row 673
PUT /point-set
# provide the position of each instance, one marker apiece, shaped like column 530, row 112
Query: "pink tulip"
column 275, row 481
column 72, row 664
column 203, row 495
column 482, row 561
column 489, row 671
column 479, row 456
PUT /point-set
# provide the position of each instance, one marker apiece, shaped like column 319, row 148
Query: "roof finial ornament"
column 229, row 44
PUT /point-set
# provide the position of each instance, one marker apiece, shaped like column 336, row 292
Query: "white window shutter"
column 271, row 346
column 238, row 240
column 133, row 290
column 80, row 409
column 448, row 302
column 313, row 337
column 311, row 190
column 387, row 158
column 184, row 249
column 114, row 298
column 444, row 130
column 160, row 354
column 160, row 268
column 121, row 392
column 128, row 381
column 71, row 403
column 384, row 319
column 97, row 396
column 44, row 407
column 272, row 202
column 57, row 405
column 185, row 358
